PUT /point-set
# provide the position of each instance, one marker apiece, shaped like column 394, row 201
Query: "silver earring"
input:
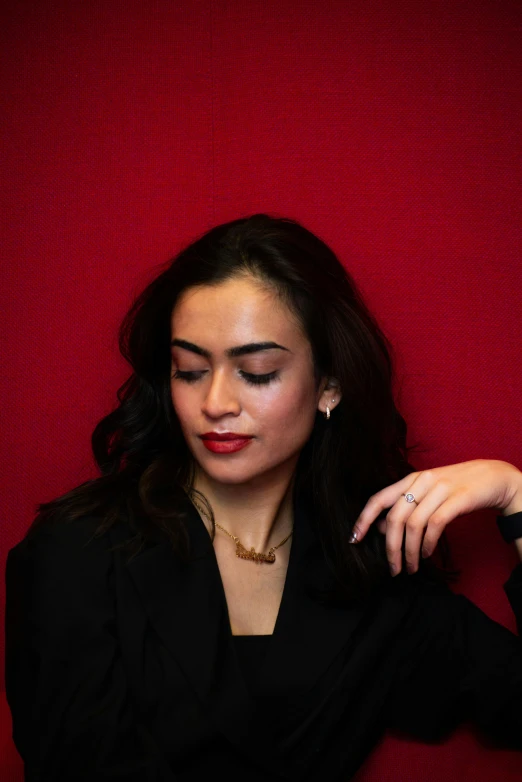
column 327, row 414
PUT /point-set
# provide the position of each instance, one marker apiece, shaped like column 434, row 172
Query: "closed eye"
column 188, row 377
column 254, row 380
column 258, row 380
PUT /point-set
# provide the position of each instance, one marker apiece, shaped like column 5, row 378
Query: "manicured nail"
column 393, row 569
column 425, row 553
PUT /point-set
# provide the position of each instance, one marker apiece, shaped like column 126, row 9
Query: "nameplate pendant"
column 244, row 553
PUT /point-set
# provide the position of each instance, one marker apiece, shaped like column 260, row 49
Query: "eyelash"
column 253, row 380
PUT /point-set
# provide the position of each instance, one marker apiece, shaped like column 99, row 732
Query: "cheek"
column 289, row 409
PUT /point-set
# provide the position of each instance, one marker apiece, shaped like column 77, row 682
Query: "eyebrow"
column 240, row 350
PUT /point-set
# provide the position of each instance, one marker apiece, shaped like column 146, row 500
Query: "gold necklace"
column 241, row 551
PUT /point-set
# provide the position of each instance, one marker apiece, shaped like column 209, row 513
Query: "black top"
column 127, row 671
column 251, row 652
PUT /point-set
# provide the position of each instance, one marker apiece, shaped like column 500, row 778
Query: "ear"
column 329, row 394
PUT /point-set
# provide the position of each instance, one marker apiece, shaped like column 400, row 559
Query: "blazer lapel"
column 309, row 632
column 186, row 605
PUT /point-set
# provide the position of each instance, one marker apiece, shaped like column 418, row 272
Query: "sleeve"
column 65, row 681
column 454, row 664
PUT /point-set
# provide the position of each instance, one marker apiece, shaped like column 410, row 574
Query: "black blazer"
column 128, row 672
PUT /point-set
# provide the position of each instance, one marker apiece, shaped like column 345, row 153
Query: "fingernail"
column 393, row 569
column 353, row 537
column 410, row 569
column 425, row 553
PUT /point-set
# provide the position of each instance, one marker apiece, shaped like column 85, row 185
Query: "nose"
column 220, row 399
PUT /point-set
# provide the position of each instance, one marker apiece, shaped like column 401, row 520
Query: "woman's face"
column 243, row 384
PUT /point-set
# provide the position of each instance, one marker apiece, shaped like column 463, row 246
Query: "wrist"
column 515, row 506
column 515, row 501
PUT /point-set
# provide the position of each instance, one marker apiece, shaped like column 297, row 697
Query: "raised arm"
column 423, row 503
column 451, row 662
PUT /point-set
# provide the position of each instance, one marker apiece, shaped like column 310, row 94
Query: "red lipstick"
column 225, row 442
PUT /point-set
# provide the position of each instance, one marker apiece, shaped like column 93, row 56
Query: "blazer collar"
column 186, row 605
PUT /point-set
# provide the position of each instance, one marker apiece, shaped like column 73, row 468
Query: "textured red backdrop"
column 389, row 127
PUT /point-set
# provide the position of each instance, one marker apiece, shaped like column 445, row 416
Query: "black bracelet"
column 510, row 526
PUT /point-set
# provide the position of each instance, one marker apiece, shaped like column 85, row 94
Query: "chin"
column 230, row 474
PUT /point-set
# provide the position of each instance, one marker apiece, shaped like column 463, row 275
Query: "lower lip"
column 226, row 446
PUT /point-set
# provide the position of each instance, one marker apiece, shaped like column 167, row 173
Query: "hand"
column 441, row 494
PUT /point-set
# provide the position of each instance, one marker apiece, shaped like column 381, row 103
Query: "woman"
column 201, row 607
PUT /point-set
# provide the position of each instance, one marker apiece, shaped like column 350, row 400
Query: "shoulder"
column 417, row 607
column 45, row 539
column 62, row 563
column 60, row 589
column 426, row 598
column 439, row 617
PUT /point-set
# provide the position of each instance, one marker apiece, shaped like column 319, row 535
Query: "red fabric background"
column 390, row 127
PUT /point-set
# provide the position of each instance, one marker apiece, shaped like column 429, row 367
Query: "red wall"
column 391, row 128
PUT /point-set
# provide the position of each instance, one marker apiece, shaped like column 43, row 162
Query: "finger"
column 394, row 538
column 407, row 521
column 385, row 498
column 413, row 535
column 418, row 521
column 454, row 506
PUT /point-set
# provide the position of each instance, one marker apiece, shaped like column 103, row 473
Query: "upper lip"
column 224, row 436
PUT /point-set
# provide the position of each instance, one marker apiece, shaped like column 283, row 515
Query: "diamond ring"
column 410, row 498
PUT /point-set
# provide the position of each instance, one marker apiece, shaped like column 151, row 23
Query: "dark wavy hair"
column 139, row 447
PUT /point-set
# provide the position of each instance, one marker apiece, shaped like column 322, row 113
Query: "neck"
column 259, row 513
